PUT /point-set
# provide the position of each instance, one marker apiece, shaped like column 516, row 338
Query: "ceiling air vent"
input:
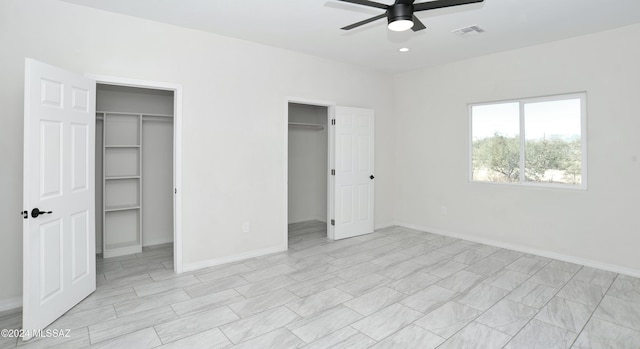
column 468, row 31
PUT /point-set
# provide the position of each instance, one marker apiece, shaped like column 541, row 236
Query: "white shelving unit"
column 122, row 180
column 122, row 183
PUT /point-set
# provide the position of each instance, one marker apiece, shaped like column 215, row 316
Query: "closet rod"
column 306, row 125
column 135, row 114
column 156, row 118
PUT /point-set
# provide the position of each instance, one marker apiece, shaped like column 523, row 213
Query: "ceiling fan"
column 400, row 15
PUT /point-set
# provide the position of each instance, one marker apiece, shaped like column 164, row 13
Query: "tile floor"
column 395, row 288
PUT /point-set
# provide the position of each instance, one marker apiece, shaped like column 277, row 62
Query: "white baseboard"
column 526, row 249
column 384, row 225
column 234, row 258
column 10, row 303
column 324, row 220
column 157, row 242
column 308, row 219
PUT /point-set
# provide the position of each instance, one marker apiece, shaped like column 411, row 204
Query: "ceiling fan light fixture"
column 400, row 17
column 400, row 25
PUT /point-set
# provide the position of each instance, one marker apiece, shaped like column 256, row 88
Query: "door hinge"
column 333, row 172
column 333, row 222
column 175, row 190
column 333, row 121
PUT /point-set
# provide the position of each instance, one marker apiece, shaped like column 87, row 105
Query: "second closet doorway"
column 307, row 171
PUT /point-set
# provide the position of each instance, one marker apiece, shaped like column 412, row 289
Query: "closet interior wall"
column 308, row 151
column 157, row 158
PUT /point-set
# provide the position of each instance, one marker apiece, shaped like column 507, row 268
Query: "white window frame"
column 521, row 180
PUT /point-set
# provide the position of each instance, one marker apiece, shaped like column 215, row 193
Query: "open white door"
column 354, row 184
column 59, row 243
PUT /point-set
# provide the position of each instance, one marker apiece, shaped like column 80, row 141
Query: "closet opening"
column 135, row 216
column 308, row 174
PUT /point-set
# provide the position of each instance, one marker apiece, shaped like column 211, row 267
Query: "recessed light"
column 404, row 49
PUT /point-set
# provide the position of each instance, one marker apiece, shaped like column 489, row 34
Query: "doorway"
column 349, row 173
column 140, row 201
column 134, row 174
column 308, row 173
column 59, row 265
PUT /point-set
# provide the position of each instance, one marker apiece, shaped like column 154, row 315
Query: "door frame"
column 330, row 162
column 177, row 150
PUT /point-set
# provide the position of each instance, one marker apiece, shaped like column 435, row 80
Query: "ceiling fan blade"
column 431, row 5
column 417, row 24
column 355, row 25
column 367, row 3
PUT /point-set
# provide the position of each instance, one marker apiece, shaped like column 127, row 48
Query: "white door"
column 59, row 153
column 354, row 177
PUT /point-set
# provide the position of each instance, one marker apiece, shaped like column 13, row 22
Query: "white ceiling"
column 313, row 26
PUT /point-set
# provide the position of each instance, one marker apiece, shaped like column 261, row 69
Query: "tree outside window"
column 529, row 141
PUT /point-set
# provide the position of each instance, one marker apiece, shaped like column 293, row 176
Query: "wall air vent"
column 468, row 31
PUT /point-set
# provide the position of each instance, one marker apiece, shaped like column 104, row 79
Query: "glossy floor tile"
column 394, row 288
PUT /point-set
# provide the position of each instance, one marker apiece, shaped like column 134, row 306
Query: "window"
column 535, row 141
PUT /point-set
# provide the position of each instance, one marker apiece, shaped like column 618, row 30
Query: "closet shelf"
column 122, row 146
column 120, row 208
column 121, row 177
column 306, row 125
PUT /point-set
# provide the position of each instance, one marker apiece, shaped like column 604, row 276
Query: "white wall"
column 157, row 182
column 601, row 224
column 234, row 124
column 157, row 158
column 307, row 195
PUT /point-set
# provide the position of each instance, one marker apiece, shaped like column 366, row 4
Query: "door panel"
column 59, row 149
column 346, row 213
column 80, row 98
column 80, row 158
column 50, row 259
column 79, row 246
column 363, row 156
column 50, row 159
column 363, row 197
column 354, row 155
column 51, row 92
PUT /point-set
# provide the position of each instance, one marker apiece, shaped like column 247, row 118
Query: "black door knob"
column 36, row 212
column 371, row 177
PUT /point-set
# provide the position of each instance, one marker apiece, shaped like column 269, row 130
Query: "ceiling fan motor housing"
column 400, row 12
